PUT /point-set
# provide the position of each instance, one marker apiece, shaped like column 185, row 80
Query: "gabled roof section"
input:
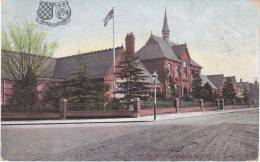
column 149, row 78
column 179, row 49
column 157, row 47
column 216, row 79
column 205, row 80
column 98, row 63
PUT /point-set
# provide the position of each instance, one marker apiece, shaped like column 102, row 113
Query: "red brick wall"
column 7, row 90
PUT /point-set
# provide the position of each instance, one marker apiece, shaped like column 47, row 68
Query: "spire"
column 165, row 30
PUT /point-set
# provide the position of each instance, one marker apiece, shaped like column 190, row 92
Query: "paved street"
column 227, row 136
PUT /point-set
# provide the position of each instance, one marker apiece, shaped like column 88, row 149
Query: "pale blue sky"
column 222, row 36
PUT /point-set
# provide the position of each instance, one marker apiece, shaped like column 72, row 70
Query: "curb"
column 124, row 120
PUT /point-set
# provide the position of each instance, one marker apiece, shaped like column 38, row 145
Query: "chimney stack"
column 130, row 43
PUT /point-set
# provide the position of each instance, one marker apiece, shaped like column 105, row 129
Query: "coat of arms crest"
column 62, row 10
column 46, row 9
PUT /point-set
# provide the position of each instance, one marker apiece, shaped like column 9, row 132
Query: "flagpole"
column 114, row 57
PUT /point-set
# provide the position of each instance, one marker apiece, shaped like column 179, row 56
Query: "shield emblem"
column 62, row 10
column 45, row 10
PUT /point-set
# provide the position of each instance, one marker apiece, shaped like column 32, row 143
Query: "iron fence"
column 96, row 106
column 209, row 104
column 191, row 103
column 159, row 104
column 28, row 108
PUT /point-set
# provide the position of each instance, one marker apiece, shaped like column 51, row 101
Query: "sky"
column 222, row 36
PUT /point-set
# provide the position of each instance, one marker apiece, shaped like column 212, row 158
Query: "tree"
column 206, row 93
column 82, row 89
column 133, row 78
column 27, row 62
column 228, row 90
column 31, row 51
column 79, row 90
column 196, row 86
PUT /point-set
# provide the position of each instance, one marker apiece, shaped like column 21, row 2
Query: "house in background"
column 205, row 80
column 242, row 87
column 171, row 61
column 219, row 81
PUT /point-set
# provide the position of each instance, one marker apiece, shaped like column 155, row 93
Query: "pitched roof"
column 216, row 79
column 149, row 78
column 205, row 80
column 98, row 63
column 193, row 63
column 157, row 47
column 233, row 79
column 47, row 66
column 179, row 49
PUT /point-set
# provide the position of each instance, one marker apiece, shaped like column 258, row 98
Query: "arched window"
column 178, row 71
column 185, row 69
column 184, row 64
column 169, row 69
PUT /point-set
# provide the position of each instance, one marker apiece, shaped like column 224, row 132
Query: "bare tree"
column 31, row 51
column 25, row 57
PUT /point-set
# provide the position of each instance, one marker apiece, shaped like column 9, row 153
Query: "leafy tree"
column 133, row 78
column 26, row 63
column 206, row 93
column 228, row 90
column 196, row 86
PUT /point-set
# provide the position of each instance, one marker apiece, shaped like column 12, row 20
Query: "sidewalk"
column 122, row 120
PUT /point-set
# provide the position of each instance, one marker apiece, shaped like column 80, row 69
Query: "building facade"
column 171, row 61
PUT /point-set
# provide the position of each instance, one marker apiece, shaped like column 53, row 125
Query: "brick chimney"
column 130, row 43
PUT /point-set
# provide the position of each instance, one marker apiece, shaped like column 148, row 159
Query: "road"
column 229, row 136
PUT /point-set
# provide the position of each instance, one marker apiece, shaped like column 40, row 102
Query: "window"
column 178, row 72
column 185, row 69
column 169, row 70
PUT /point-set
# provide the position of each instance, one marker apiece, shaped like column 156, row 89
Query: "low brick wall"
column 145, row 112
column 189, row 109
column 99, row 114
column 210, row 108
column 28, row 116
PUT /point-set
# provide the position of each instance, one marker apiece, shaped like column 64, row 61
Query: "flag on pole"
column 109, row 16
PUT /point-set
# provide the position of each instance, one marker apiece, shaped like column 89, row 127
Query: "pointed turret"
column 165, row 30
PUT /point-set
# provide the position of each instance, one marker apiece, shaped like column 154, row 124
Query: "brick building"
column 219, row 81
column 99, row 67
column 171, row 61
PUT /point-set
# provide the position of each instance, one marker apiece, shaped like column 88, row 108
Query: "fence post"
column 63, row 108
column 218, row 106
column 201, row 104
column 222, row 104
column 137, row 107
column 177, row 104
column 234, row 103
